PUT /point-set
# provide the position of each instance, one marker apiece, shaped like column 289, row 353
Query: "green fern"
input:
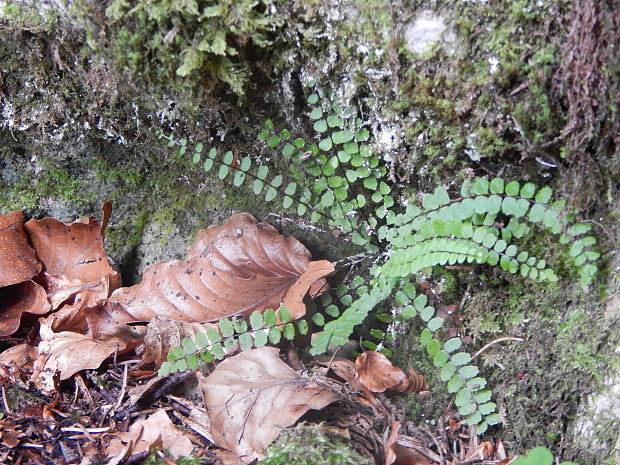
column 336, row 179
column 229, row 335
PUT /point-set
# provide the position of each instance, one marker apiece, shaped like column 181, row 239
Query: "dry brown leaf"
column 73, row 259
column 376, row 372
column 156, row 430
column 69, row 317
column 412, row 451
column 16, row 362
column 17, row 259
column 162, row 335
column 251, row 396
column 408, row 456
column 414, row 383
column 18, row 263
column 67, row 353
column 390, row 454
column 16, row 300
column 10, row 433
column 343, row 368
column 232, row 269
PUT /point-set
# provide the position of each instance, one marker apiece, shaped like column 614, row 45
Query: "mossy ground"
column 77, row 133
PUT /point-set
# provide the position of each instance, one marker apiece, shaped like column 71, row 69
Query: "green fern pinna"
column 338, row 180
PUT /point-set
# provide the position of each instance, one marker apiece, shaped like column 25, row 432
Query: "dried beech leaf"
column 376, row 372
column 408, row 456
column 163, row 334
column 390, row 454
column 232, row 269
column 67, row 353
column 25, row 297
column 251, row 396
column 10, row 434
column 156, row 430
column 73, row 258
column 69, row 317
column 18, row 261
column 16, row 362
column 414, row 383
column 343, row 368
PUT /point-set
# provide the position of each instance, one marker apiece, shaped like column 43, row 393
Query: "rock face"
column 425, row 30
column 598, row 421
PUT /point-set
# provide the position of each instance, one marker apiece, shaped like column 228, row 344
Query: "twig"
column 81, row 384
column 500, row 339
column 157, row 390
column 439, row 448
column 6, row 402
column 609, row 235
column 444, row 436
column 121, row 395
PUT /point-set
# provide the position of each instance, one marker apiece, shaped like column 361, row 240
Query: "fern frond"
column 337, row 332
column 481, row 205
column 229, row 335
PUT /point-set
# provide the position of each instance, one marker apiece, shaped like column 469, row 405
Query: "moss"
column 124, row 179
column 539, row 381
column 488, row 97
column 166, row 45
column 29, row 193
column 311, row 445
column 155, row 459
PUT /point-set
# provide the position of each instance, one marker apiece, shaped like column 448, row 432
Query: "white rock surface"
column 425, row 30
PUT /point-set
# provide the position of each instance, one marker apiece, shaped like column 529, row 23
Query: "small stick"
column 500, row 339
column 121, row 395
column 6, row 402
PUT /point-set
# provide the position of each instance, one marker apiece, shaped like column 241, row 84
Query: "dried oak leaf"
column 74, row 260
column 252, row 396
column 231, row 269
column 376, row 372
column 17, row 259
column 156, row 430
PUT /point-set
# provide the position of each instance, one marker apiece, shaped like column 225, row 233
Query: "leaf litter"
column 67, row 324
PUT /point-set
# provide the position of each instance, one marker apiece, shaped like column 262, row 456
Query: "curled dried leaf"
column 376, row 372
column 155, row 431
column 67, row 353
column 17, row 259
column 16, row 363
column 15, row 301
column 75, row 266
column 414, row 383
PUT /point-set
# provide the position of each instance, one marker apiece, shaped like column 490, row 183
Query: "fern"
column 229, row 335
column 336, row 179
